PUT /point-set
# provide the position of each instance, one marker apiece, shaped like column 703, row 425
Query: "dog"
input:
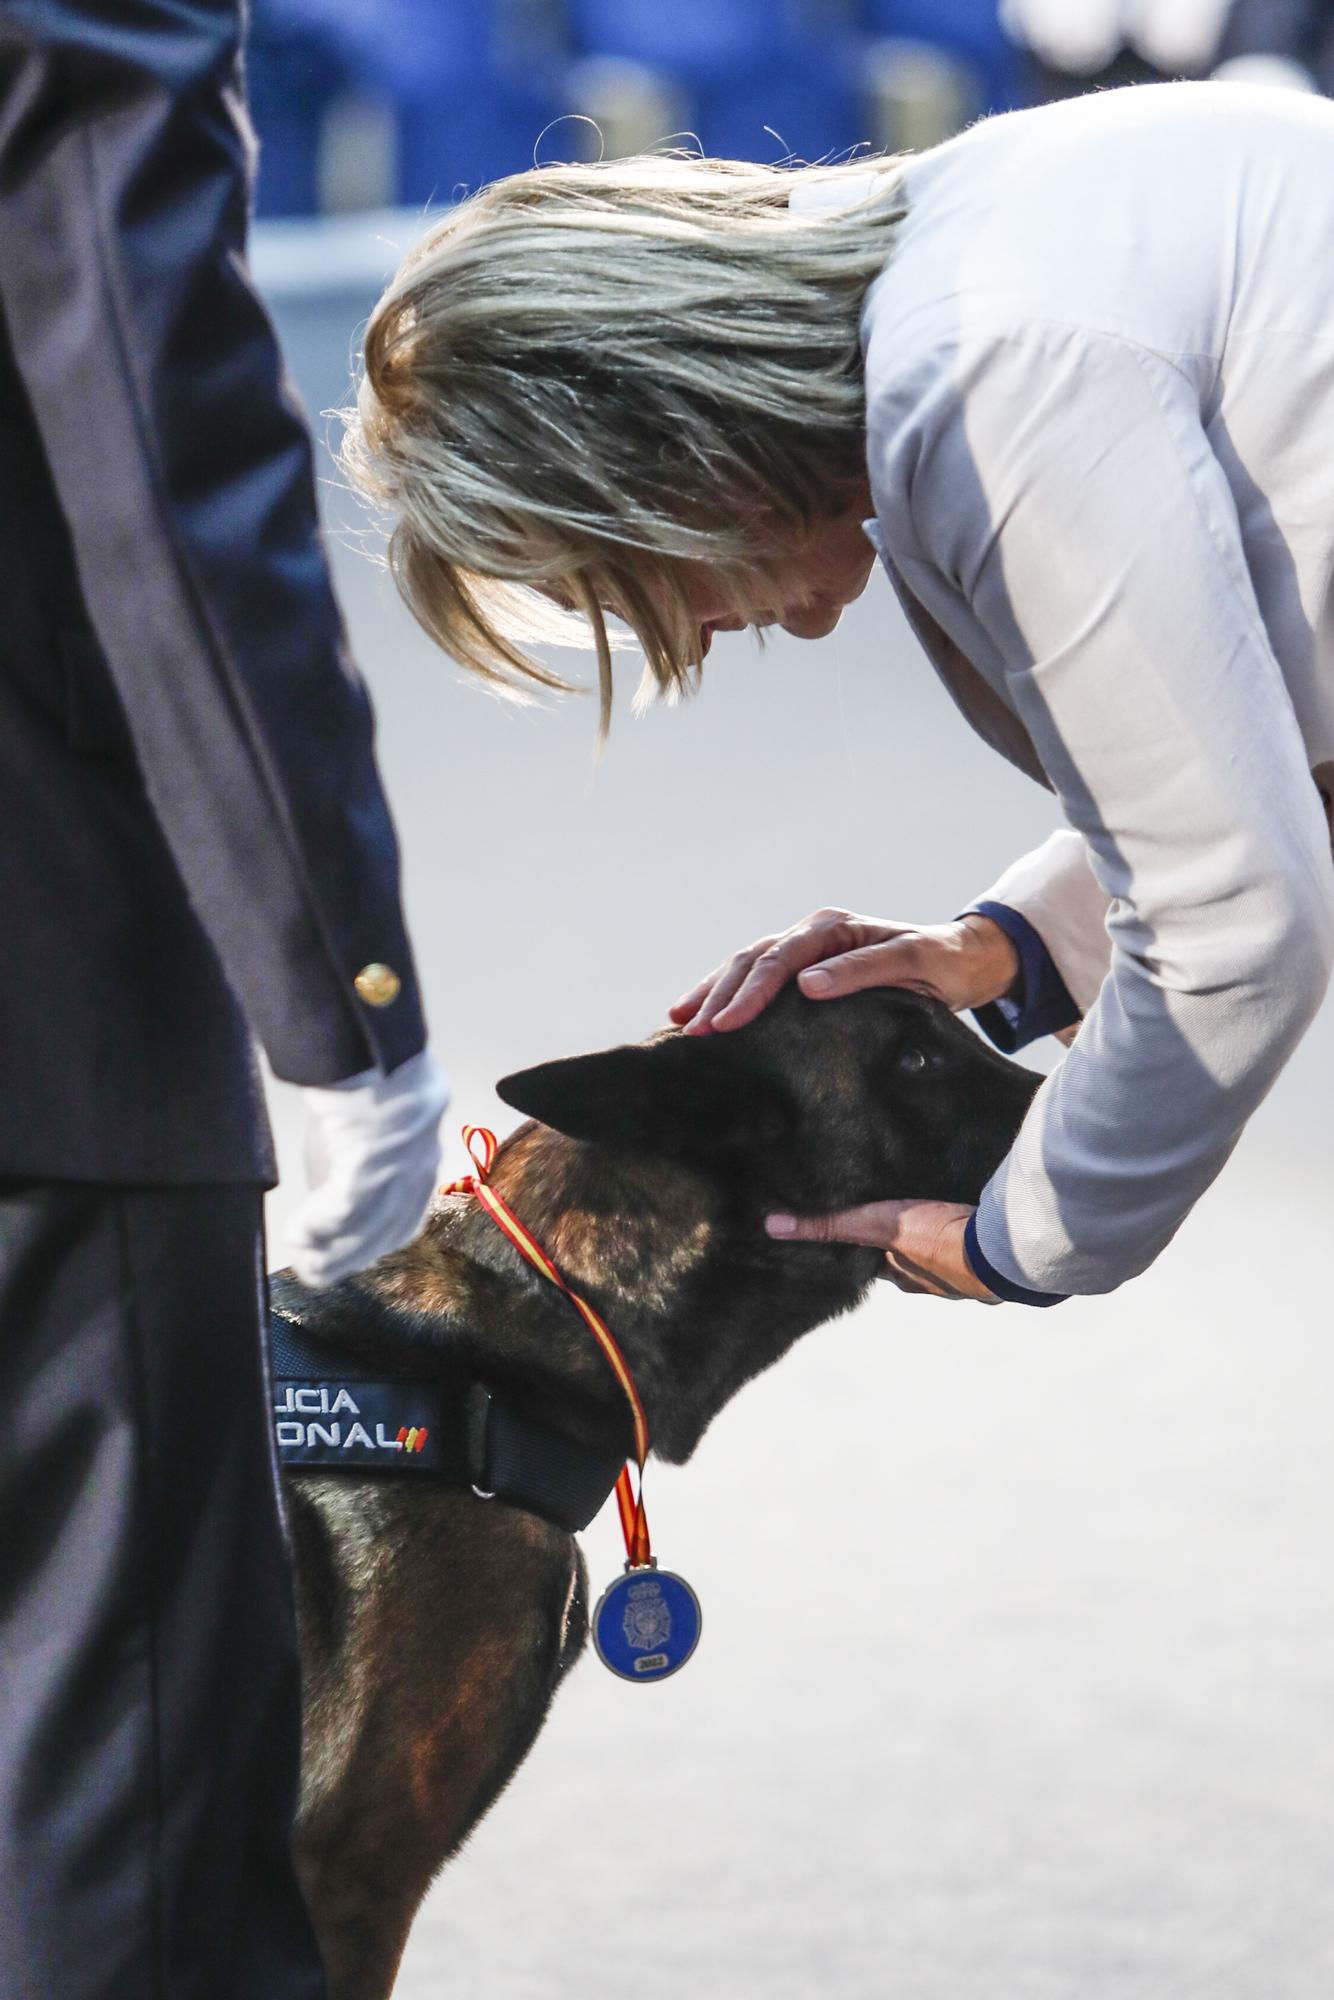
column 436, row 1623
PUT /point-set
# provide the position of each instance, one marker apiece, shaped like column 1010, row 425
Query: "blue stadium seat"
column 968, row 28
column 471, row 85
column 292, row 76
column 459, row 137
column 692, row 38
column 766, row 112
column 410, row 46
column 745, row 65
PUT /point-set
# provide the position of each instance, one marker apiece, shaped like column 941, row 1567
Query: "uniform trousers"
column 149, row 1690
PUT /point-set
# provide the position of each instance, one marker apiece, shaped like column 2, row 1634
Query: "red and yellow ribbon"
column 482, row 1149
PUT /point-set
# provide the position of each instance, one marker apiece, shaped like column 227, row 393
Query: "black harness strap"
column 332, row 1411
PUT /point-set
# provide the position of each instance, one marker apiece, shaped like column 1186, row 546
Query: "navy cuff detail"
column 1004, row 1288
column 1039, row 1003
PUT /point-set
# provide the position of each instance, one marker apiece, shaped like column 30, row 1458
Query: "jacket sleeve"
column 1052, row 907
column 1038, row 1000
column 1066, row 488
column 184, row 473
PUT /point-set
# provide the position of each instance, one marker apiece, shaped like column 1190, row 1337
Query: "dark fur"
column 435, row 1626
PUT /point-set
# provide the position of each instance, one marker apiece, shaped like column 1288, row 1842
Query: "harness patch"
column 330, row 1409
column 355, row 1423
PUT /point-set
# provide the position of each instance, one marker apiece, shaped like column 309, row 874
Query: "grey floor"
column 1017, row 1680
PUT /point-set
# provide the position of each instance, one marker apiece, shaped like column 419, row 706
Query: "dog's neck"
column 696, row 1296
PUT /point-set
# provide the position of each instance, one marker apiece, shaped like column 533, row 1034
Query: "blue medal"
column 646, row 1624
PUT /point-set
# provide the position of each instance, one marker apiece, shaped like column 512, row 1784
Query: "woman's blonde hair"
column 585, row 376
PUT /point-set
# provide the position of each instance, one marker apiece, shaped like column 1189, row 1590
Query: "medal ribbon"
column 482, row 1149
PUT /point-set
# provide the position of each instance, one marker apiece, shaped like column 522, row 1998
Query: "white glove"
column 372, row 1164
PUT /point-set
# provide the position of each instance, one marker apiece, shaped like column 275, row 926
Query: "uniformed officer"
column 194, row 846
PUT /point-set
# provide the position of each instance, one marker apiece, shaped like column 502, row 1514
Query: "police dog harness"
column 335, row 1411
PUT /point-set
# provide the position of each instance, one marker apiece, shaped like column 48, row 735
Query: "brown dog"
column 436, row 1623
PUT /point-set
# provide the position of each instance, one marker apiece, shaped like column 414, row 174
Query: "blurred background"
column 1017, row 1677
column 364, row 104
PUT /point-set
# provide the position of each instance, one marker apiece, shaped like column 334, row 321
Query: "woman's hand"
column 922, row 1242
column 965, row 964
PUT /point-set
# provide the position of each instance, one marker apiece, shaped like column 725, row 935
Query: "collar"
column 334, row 1410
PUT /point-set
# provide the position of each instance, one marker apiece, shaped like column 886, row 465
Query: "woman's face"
column 820, row 573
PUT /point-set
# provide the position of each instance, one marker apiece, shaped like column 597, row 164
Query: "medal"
column 647, row 1623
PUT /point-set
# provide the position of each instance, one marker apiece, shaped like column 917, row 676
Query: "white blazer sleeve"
column 1062, row 483
column 1055, row 888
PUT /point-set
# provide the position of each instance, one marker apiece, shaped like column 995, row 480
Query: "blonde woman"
column 1072, row 374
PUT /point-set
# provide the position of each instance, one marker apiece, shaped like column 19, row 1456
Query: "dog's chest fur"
column 434, row 1629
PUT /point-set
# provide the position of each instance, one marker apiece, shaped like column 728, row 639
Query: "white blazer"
column 1100, row 435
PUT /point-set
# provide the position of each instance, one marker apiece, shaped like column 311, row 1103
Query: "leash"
column 634, row 1521
column 647, row 1623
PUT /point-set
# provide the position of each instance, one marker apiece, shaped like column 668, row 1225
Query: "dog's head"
column 813, row 1107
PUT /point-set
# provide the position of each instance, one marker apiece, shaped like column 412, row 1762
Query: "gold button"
column 378, row 985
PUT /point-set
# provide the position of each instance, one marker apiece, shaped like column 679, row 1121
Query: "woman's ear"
column 682, row 1096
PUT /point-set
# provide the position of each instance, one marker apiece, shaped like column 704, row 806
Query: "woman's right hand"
column 965, row 963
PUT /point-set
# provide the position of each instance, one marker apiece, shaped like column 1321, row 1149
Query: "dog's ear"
column 676, row 1096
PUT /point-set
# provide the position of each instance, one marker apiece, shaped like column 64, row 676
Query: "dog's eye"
column 913, row 1061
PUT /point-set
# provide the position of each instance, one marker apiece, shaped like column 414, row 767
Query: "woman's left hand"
column 922, row 1242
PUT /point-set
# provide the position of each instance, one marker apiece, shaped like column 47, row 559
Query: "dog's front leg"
column 361, row 1935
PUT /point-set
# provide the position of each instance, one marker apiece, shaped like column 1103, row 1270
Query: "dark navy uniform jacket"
column 192, row 830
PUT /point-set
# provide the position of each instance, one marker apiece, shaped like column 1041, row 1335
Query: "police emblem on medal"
column 647, row 1623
